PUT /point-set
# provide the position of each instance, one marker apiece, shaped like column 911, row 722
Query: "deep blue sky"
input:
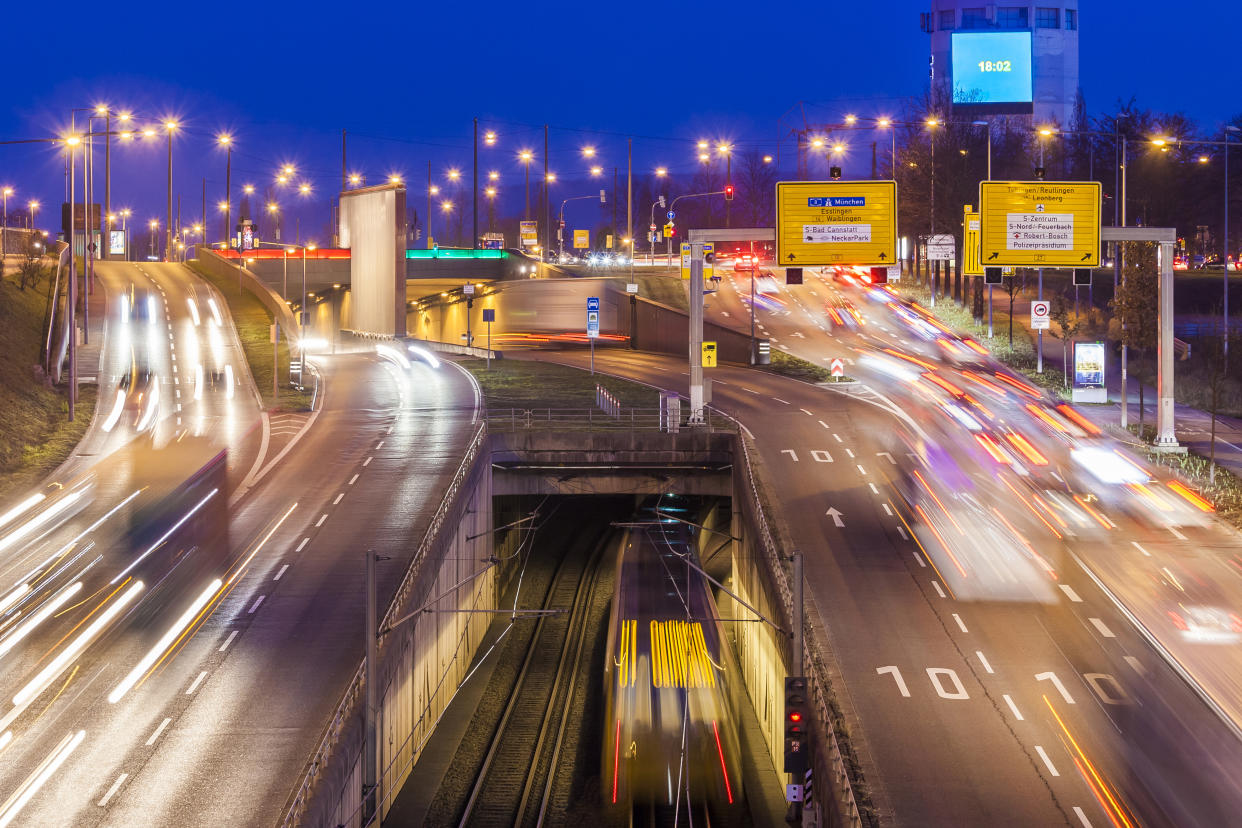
column 407, row 80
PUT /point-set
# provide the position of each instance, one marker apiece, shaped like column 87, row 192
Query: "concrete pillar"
column 1165, row 438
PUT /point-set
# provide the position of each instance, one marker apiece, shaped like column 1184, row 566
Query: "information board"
column 1039, row 223
column 991, row 72
column 971, row 266
column 836, row 223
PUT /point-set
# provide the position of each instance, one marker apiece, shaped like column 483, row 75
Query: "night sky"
column 405, row 81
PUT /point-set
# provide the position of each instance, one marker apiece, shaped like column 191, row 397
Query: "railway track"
column 513, row 785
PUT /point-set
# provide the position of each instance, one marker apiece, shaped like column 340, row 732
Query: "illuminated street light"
column 1203, row 159
column 597, row 171
column 148, row 132
column 931, row 122
column 394, row 179
column 73, row 140
column 1160, row 142
column 446, row 206
column 453, row 174
column 661, row 172
column 490, row 192
column 767, row 159
column 884, row 122
column 304, row 189
column 289, row 169
column 434, row 189
column 703, row 145
column 489, row 138
column 588, row 152
column 817, row 143
column 1046, row 131
column 850, row 119
column 493, row 176
column 551, row 177
column 273, row 207
column 355, row 179
column 704, row 157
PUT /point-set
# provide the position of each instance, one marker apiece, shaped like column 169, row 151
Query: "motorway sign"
column 582, row 239
column 1040, row 223
column 836, row 222
column 1040, row 315
column 941, row 248
column 971, row 265
column 592, row 324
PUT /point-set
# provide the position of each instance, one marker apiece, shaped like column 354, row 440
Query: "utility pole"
column 73, row 287
column 629, row 197
column 696, row 334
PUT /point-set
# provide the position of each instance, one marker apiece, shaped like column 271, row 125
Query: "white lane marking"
column 821, row 422
column 281, row 572
column 961, row 624
column 1141, row 549
column 861, row 470
column 189, row 691
column 1086, row 823
column 176, row 381
column 255, row 605
column 1104, row 630
column 939, row 591
column 228, row 641
column 1042, row 755
column 367, row 462
column 887, row 510
column 379, row 445
column 1135, row 665
column 1018, row 716
column 322, row 518
column 1176, row 533
column 903, row 534
column 779, row 400
column 919, row 558
column 1069, row 591
column 850, row 453
column 178, row 393
column 837, row 437
column 807, row 413
column 116, row 786
column 874, row 490
column 302, row 545
column 353, row 480
column 338, row 498
column 751, row 390
column 158, row 731
column 983, row 659
column 174, row 367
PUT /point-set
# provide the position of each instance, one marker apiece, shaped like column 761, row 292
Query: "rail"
column 508, row 420
column 349, row 700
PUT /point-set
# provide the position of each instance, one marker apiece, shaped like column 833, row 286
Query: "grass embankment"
column 253, row 323
column 788, row 365
column 1021, row 356
column 540, row 385
column 35, row 434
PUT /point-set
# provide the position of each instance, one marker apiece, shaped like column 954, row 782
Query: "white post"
column 1165, row 438
column 696, row 333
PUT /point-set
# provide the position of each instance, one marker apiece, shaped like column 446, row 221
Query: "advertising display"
column 992, row 73
column 529, row 233
column 116, row 242
column 1089, row 372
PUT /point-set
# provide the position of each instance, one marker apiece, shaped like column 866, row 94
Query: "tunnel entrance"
column 606, row 690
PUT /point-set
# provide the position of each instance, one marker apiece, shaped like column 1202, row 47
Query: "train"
column 670, row 742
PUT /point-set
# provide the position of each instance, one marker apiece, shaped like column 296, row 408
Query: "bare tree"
column 1135, row 307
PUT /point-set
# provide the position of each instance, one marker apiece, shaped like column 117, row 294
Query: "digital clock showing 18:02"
column 995, row 66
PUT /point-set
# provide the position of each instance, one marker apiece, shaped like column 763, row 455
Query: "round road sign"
column 671, row 214
column 1039, row 309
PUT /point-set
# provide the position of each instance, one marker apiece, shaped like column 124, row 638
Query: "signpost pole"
column 696, row 333
column 989, row 311
column 1166, row 439
column 1039, row 360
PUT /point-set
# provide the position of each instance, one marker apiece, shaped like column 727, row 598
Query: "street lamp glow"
column 304, row 189
column 489, row 138
column 73, row 140
column 446, row 206
column 493, row 176
column 125, row 213
column 394, row 179
column 272, row 207
column 849, row 119
column 588, row 152
column 355, row 179
column 1160, row 142
column 148, row 132
column 1203, row 159
column 224, row 139
column 931, row 122
column 111, row 218
column 723, row 149
column 153, row 223
column 170, row 125
column 551, row 177
column 817, row 143
column 223, row 205
column 124, row 116
column 597, row 171
column 884, row 122
column 282, row 179
column 704, row 157
column 6, row 192
column 661, row 172
column 490, row 192
column 248, row 189
column 101, row 109
column 434, row 189
column 767, row 159
column 1045, row 131
column 288, row 169
column 526, row 156
column 454, row 174
column 838, row 148
column 703, row 145
column 127, row 135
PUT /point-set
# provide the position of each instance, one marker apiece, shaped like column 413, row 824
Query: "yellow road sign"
column 709, row 354
column 709, row 264
column 971, row 266
column 836, row 222
column 1039, row 223
column 582, row 239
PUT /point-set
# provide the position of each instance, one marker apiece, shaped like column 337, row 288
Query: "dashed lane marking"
column 1043, row 755
column 255, row 605
column 158, row 731
column 960, row 623
column 983, row 660
column 189, row 691
column 1069, row 591
column 282, row 571
column 939, row 591
column 116, row 786
column 1018, row 716
column 1104, row 630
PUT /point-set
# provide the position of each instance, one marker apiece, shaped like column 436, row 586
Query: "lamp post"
column 34, row 207
column 72, row 143
column 4, row 233
column 526, row 156
column 125, row 214
column 170, row 127
column 154, row 225
column 225, row 140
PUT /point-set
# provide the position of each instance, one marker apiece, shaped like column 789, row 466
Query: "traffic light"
column 879, row 275
column 797, row 723
column 1039, row 173
column 728, row 192
column 992, row 276
column 1082, row 276
column 793, row 275
column 834, row 173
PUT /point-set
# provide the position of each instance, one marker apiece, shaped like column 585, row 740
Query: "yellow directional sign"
column 1040, row 223
column 709, row 260
column 709, row 354
column 971, row 266
column 836, row 222
column 582, row 239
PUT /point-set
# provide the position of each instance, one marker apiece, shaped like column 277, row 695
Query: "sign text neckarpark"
column 836, row 222
column 1039, row 223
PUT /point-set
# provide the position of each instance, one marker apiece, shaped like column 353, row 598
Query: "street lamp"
column 4, row 233
column 526, row 156
column 154, row 224
column 34, row 207
column 661, row 172
column 225, row 140
column 588, row 152
column 170, row 127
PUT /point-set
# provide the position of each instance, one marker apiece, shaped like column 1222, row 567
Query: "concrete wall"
column 373, row 228
column 223, row 268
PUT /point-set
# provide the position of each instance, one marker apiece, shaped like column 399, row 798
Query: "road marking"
column 379, row 445
column 903, row 534
column 874, row 490
column 807, row 413
column 228, row 641
column 861, row 470
column 939, row 591
column 850, row 453
column 367, row 462
column 255, row 605
column 821, row 422
column 158, row 731
column 887, row 510
column 1135, row 665
column 886, row 454
column 1069, row 591
column 919, row 558
column 1086, row 823
column 176, row 381
column 983, row 659
column 353, row 480
column 338, row 498
column 178, row 393
column 1018, row 716
column 779, row 400
column 281, row 572
column 322, row 518
column 189, row 691
column 302, row 545
column 1176, row 533
column 835, row 514
column 837, row 437
column 1047, row 761
column 961, row 624
column 116, row 786
column 174, row 367
column 1104, row 630
column 1141, row 549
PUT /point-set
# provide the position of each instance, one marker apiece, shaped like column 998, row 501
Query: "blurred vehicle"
column 1179, row 263
column 743, row 263
column 138, row 399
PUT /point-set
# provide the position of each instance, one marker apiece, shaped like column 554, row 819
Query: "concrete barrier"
column 223, row 268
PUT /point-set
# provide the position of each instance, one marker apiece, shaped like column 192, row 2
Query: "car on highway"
column 743, row 263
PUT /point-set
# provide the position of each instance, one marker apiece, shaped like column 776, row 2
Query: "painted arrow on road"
column 836, row 517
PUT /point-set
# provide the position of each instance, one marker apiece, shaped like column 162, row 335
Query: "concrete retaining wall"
column 223, row 268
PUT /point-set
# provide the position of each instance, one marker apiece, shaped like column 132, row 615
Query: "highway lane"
column 955, row 705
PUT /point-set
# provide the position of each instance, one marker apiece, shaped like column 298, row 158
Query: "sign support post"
column 592, row 326
column 696, row 334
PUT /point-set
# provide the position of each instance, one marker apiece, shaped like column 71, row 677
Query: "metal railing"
column 507, row 420
column 349, row 700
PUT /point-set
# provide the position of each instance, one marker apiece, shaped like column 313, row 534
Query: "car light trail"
column 1082, row 422
column 38, row 521
column 215, row 311
column 39, row 617
column 193, row 309
column 425, row 355
column 166, row 535
column 1194, row 498
column 114, row 416
column 1114, row 807
column 13, row 597
column 21, row 508
column 724, row 770
column 49, row 673
column 228, row 379
column 168, row 638
column 242, row 566
column 10, row 809
column 1021, row 386
column 1028, row 451
column 153, row 405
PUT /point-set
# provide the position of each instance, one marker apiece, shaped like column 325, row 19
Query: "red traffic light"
column 795, row 716
column 728, row 191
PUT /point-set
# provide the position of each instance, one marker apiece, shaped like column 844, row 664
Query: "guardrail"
column 593, row 419
column 837, row 771
column 345, row 709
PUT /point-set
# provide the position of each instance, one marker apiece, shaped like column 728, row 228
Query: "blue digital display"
column 992, row 71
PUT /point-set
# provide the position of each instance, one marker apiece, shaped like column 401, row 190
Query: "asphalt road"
column 1036, row 707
